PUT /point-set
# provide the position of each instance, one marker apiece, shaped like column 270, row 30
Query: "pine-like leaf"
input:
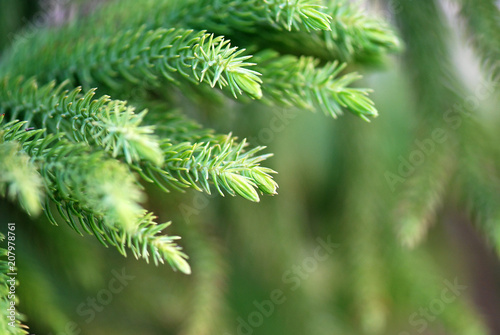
column 138, row 57
column 296, row 14
column 356, row 34
column 71, row 172
column 300, row 82
column 221, row 162
column 100, row 195
column 110, row 124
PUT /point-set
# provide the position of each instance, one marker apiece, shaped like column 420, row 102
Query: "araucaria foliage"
column 74, row 150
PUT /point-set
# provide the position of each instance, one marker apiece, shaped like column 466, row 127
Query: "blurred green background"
column 256, row 267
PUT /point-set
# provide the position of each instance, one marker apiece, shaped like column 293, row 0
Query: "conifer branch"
column 349, row 32
column 197, row 157
column 140, row 57
column 78, row 140
column 342, row 31
column 355, row 34
column 352, row 35
column 98, row 194
column 220, row 161
column 224, row 16
column 71, row 172
column 191, row 151
column 300, row 82
column 295, row 14
column 110, row 124
column 146, row 241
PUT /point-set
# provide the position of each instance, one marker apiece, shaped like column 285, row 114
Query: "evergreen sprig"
column 296, row 14
column 139, row 57
column 71, row 172
column 224, row 16
column 110, row 124
column 147, row 241
column 80, row 150
column 356, row 34
column 221, row 161
column 97, row 193
column 301, row 82
column 161, row 247
column 353, row 35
